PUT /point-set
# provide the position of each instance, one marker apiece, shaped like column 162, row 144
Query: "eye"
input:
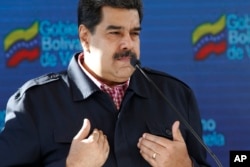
column 115, row 32
column 135, row 33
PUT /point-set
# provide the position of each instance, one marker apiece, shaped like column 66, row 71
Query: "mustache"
column 123, row 54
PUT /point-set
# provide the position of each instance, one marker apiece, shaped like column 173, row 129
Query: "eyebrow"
column 113, row 27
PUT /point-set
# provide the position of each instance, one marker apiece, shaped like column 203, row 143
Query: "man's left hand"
column 162, row 152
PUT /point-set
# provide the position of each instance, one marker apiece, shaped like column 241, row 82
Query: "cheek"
column 137, row 44
column 107, row 59
column 137, row 50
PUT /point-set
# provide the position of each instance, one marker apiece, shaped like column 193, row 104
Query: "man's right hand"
column 88, row 152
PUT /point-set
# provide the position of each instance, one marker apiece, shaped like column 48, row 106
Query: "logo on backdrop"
column 2, row 117
column 22, row 44
column 49, row 43
column 211, row 137
column 229, row 35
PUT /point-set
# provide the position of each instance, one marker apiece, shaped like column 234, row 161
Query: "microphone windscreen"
column 134, row 61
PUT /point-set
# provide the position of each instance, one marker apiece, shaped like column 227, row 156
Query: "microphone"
column 136, row 63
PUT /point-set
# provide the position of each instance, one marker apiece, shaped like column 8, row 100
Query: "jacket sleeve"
column 19, row 140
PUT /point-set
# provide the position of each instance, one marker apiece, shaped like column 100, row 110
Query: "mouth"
column 124, row 58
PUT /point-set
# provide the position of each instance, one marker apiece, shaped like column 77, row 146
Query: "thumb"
column 84, row 131
column 177, row 136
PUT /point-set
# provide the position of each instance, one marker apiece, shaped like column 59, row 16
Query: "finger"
column 106, row 144
column 177, row 136
column 103, row 141
column 148, row 148
column 94, row 137
column 84, row 131
column 156, row 139
column 147, row 154
column 147, row 151
column 101, row 137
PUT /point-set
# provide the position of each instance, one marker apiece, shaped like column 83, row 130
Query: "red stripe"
column 206, row 50
column 23, row 54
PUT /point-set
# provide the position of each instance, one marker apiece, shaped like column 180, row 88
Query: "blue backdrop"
column 206, row 44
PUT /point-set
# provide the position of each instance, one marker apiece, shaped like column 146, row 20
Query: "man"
column 73, row 118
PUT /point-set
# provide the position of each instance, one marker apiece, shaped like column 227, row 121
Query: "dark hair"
column 90, row 11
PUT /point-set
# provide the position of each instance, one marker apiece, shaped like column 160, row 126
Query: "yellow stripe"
column 18, row 34
column 208, row 28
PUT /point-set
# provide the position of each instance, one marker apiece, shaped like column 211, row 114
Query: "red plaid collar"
column 116, row 93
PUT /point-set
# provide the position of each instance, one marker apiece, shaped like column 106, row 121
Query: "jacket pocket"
column 160, row 130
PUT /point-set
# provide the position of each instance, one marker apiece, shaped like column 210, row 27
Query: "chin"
column 126, row 75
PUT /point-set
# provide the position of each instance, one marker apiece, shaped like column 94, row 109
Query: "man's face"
column 111, row 45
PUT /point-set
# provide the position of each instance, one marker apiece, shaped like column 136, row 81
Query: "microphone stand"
column 136, row 63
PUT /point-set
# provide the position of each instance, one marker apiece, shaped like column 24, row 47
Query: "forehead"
column 126, row 18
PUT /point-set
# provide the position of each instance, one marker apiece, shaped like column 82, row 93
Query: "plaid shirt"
column 116, row 92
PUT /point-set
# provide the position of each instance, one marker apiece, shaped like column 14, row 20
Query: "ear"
column 84, row 35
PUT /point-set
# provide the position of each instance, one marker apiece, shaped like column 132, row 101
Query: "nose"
column 126, row 42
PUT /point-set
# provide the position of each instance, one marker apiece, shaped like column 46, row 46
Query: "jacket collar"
column 82, row 86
